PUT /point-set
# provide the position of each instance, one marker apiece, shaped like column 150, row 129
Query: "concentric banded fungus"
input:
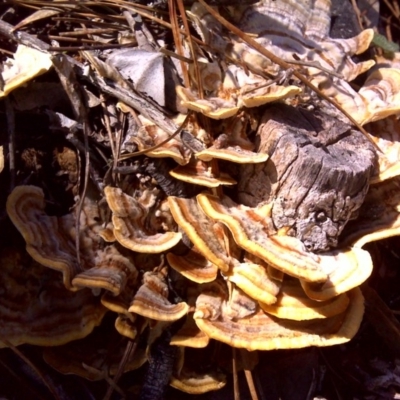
column 387, row 133
column 304, row 33
column 47, row 240
column 150, row 135
column 294, row 28
column 194, row 383
column 214, row 107
column 251, row 232
column 151, row 300
column 258, row 95
column 232, row 153
column 292, row 303
column 200, row 173
column 130, row 229
column 263, row 332
column 379, row 216
column 193, row 266
column 255, row 281
column 378, row 98
column 35, row 307
column 50, row 241
column 205, row 234
column 347, row 268
column 341, row 270
column 111, row 272
column 190, row 335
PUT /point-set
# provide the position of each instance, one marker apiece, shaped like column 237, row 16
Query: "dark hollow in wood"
column 317, row 175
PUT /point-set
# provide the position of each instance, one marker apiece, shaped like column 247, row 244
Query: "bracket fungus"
column 50, row 240
column 151, row 300
column 35, row 307
column 293, row 303
column 261, row 331
column 251, row 233
column 46, row 240
column 130, row 228
column 193, row 266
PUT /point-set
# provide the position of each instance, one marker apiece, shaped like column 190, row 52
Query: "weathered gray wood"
column 317, row 175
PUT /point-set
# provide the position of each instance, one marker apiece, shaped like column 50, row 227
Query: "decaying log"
column 316, row 177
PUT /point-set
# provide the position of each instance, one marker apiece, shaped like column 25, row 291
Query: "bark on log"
column 316, row 177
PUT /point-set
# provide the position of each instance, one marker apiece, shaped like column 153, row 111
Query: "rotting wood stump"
column 317, row 175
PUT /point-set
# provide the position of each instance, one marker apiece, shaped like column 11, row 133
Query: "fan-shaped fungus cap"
column 150, row 135
column 151, row 300
column 46, row 241
column 195, row 383
column 381, row 93
column 129, row 225
column 253, row 96
column 111, row 272
column 346, row 269
column 200, row 173
column 37, row 309
column 378, row 98
column 188, row 378
column 379, row 216
column 292, row 303
column 255, row 281
column 232, row 153
column 263, row 332
column 213, row 107
column 250, row 231
column 205, row 234
column 387, row 135
column 190, row 335
column 193, row 266
column 126, row 326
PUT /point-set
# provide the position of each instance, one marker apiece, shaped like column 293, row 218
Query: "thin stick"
column 177, row 40
column 236, row 392
column 11, row 140
column 189, row 37
column 283, row 64
column 46, row 382
column 129, row 351
column 250, row 384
